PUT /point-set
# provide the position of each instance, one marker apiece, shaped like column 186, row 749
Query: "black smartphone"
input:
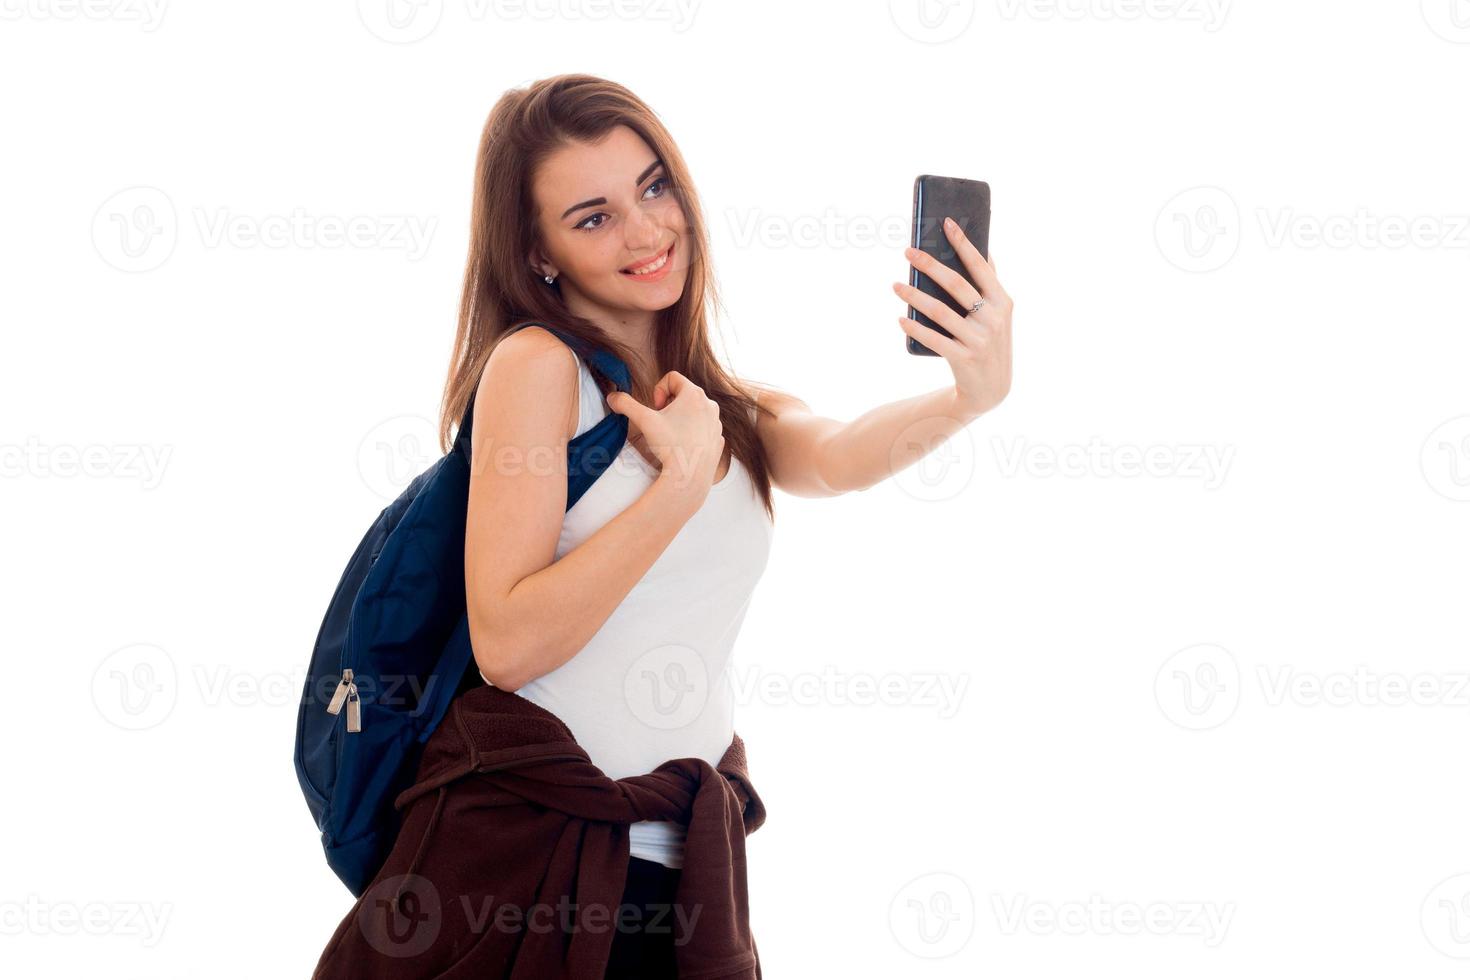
column 968, row 203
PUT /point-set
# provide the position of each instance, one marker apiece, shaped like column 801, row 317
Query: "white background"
column 1230, row 700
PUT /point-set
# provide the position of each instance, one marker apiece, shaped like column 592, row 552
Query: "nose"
column 642, row 231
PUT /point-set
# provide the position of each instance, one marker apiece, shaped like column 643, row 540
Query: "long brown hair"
column 502, row 291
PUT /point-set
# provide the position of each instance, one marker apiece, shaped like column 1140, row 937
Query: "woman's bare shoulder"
column 528, row 370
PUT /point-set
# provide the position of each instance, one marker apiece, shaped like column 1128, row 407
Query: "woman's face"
column 605, row 209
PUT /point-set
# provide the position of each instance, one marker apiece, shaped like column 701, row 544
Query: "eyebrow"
column 594, row 202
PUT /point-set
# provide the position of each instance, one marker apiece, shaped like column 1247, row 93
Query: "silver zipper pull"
column 354, row 709
column 340, row 695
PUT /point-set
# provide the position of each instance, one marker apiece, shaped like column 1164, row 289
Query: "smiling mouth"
column 652, row 265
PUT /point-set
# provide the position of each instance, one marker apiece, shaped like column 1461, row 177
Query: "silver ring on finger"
column 978, row 303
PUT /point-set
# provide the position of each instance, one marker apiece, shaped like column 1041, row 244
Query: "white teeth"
column 652, row 268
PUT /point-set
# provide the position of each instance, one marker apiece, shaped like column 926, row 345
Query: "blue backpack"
column 394, row 646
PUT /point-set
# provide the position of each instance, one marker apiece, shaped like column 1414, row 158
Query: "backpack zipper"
column 347, row 691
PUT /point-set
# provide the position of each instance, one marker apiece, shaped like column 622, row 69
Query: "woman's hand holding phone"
column 979, row 353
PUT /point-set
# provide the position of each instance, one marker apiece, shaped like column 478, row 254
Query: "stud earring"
column 549, row 279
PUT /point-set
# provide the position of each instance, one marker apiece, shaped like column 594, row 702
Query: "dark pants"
column 643, row 942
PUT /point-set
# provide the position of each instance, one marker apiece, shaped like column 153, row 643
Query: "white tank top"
column 653, row 684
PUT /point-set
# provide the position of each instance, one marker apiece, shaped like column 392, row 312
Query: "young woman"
column 619, row 615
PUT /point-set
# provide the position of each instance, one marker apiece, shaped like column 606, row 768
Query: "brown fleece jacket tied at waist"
column 513, row 855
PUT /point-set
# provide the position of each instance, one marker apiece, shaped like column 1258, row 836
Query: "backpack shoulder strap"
column 604, row 362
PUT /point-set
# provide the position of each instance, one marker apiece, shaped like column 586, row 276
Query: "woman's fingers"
column 930, row 338
column 624, row 403
column 662, row 393
column 935, row 309
column 980, row 269
column 953, row 283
